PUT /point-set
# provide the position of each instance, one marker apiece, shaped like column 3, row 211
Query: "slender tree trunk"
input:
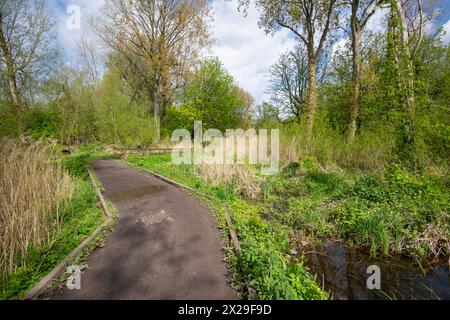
column 11, row 75
column 311, row 95
column 406, row 83
column 356, row 81
column 156, row 115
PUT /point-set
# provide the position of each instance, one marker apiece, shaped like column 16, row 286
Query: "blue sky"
column 444, row 5
column 246, row 51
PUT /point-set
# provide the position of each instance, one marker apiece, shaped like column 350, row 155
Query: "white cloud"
column 378, row 22
column 69, row 36
column 247, row 51
column 446, row 37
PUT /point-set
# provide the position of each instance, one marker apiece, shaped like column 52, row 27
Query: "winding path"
column 165, row 244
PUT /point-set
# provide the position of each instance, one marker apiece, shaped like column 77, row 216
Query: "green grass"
column 265, row 262
column 387, row 213
column 392, row 212
column 80, row 218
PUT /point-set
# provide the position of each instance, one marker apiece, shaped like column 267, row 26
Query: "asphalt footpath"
column 165, row 244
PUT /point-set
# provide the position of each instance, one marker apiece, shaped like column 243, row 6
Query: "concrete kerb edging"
column 39, row 288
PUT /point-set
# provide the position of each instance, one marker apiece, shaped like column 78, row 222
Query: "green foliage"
column 8, row 123
column 182, row 117
column 267, row 116
column 437, row 141
column 82, row 113
column 264, row 245
column 216, row 98
column 415, row 136
column 391, row 212
column 72, row 107
column 42, row 122
column 122, row 121
column 434, row 122
column 309, row 164
column 370, row 151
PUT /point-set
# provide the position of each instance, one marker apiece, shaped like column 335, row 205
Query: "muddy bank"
column 342, row 271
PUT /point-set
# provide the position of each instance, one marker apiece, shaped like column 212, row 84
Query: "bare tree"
column 289, row 81
column 88, row 51
column 309, row 20
column 26, row 49
column 361, row 11
column 163, row 36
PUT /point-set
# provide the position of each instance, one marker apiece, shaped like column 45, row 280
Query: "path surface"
column 165, row 244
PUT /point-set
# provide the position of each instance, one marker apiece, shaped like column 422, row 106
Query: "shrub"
column 8, row 123
column 120, row 119
column 41, row 123
column 182, row 117
column 309, row 164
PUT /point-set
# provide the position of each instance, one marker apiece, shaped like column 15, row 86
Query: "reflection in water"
column 342, row 270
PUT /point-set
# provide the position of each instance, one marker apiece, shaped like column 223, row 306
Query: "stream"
column 341, row 270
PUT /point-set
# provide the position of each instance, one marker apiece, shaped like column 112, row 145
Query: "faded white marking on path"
column 154, row 218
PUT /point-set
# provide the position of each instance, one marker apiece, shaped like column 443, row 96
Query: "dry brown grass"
column 242, row 177
column 433, row 238
column 33, row 189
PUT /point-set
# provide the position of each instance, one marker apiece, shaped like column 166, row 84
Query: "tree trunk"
column 11, row 75
column 156, row 115
column 407, row 63
column 356, row 81
column 311, row 95
column 406, row 83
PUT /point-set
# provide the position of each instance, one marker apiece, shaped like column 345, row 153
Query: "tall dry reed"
column 242, row 177
column 33, row 189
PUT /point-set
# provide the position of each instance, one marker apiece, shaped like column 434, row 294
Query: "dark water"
column 342, row 271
